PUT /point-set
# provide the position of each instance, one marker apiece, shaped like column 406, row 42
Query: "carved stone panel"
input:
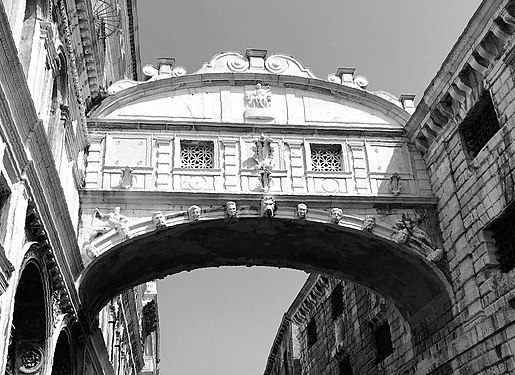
column 130, row 150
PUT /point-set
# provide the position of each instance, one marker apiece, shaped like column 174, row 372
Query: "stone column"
column 360, row 167
column 231, row 167
column 163, row 162
column 95, row 162
column 298, row 167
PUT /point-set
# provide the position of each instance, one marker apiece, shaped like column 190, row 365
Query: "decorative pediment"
column 255, row 61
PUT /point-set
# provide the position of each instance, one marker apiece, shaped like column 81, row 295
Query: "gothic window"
column 312, row 333
column 197, row 155
column 383, row 341
column 344, row 366
column 480, row 125
column 326, row 158
column 503, row 232
column 337, row 302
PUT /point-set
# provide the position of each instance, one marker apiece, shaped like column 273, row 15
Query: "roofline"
column 453, row 63
column 362, row 97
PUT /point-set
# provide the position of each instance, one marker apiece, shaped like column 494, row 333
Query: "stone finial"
column 336, row 215
column 256, row 57
column 408, row 102
column 346, row 74
column 231, row 210
column 158, row 219
column 165, row 65
column 194, row 213
column 268, row 206
column 369, row 223
column 302, row 211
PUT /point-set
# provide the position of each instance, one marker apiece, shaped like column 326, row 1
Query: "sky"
column 223, row 321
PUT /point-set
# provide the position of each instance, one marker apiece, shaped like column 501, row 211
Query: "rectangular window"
column 326, row 158
column 480, row 125
column 383, row 341
column 344, row 366
column 337, row 302
column 197, row 155
column 312, row 333
column 503, row 232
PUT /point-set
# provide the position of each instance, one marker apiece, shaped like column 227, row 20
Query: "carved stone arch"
column 28, row 343
column 62, row 358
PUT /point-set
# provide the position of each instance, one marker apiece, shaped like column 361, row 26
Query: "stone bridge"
column 253, row 161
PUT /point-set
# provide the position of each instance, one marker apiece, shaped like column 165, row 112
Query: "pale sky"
column 223, row 321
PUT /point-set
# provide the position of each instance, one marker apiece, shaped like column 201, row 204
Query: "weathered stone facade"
column 335, row 327
column 252, row 160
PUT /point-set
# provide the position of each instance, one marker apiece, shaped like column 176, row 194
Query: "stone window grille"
column 337, row 302
column 326, row 158
column 480, row 125
column 344, row 366
column 197, row 155
column 503, row 232
column 383, row 341
column 312, row 333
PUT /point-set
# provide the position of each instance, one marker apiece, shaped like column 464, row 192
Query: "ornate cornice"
column 453, row 91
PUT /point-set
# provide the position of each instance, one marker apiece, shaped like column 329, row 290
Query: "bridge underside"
column 390, row 269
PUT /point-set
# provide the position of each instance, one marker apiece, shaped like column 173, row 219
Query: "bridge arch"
column 146, row 251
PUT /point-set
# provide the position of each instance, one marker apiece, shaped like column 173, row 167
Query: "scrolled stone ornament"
column 231, row 210
column 90, row 250
column 369, row 223
column 268, row 206
column 302, row 211
column 336, row 215
column 194, row 213
column 159, row 220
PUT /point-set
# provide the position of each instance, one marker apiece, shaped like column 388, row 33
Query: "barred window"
column 383, row 341
column 503, row 232
column 326, row 158
column 197, row 154
column 312, row 333
column 337, row 302
column 344, row 366
column 480, row 125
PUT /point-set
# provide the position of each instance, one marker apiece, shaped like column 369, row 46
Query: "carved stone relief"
column 335, row 215
column 268, row 206
column 231, row 210
column 258, row 103
column 395, row 185
column 194, row 213
column 126, row 178
column 263, row 156
column 302, row 211
column 369, row 223
column 113, row 220
column 159, row 220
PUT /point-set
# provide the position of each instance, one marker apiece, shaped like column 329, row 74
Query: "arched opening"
column 62, row 364
column 28, row 330
column 393, row 271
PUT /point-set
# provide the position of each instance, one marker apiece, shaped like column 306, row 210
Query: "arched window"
column 28, row 330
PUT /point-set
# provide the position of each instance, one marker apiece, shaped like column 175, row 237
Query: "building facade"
column 56, row 59
column 109, row 182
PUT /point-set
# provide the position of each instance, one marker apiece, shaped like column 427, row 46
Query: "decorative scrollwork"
column 237, row 64
column 276, row 64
